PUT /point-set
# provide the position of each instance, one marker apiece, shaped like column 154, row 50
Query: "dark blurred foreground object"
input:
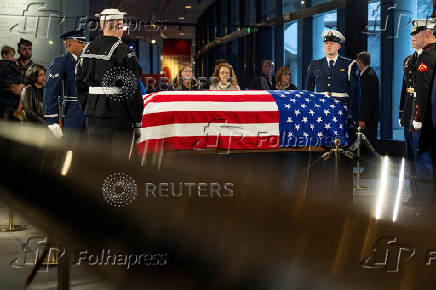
column 274, row 228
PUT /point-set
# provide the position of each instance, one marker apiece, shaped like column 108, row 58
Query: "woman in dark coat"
column 32, row 95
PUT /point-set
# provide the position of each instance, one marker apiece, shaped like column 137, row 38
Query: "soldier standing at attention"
column 408, row 93
column 334, row 75
column 61, row 105
column 422, row 128
column 108, row 109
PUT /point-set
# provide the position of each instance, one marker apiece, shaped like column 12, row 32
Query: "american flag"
column 199, row 120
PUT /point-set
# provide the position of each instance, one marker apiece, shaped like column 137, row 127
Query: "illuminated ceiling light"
column 188, row 6
column 399, row 191
column 303, row 2
column 153, row 41
column 181, row 33
column 50, row 42
column 383, row 186
column 181, row 18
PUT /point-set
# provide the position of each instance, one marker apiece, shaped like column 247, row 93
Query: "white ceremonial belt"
column 105, row 91
column 337, row 95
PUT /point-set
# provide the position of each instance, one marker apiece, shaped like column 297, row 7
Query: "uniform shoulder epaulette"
column 407, row 60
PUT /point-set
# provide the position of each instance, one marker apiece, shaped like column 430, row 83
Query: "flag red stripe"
column 210, row 98
column 210, row 142
column 165, row 118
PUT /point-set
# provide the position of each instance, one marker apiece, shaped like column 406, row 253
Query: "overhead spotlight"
column 303, row 2
column 50, row 42
column 153, row 41
column 181, row 18
column 188, row 6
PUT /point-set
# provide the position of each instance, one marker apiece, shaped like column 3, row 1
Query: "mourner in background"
column 11, row 84
column 224, row 79
column 61, row 105
column 266, row 80
column 283, row 79
column 25, row 59
column 109, row 109
column 370, row 106
column 32, row 95
column 184, row 80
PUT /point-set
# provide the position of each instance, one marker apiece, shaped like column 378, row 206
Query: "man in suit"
column 266, row 80
column 370, row 104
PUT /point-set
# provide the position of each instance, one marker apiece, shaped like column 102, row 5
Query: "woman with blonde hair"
column 224, row 79
column 184, row 80
column 283, row 79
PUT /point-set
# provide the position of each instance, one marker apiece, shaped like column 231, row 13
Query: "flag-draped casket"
column 198, row 120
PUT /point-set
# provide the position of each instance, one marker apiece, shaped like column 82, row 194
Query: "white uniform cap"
column 422, row 24
column 111, row 14
column 333, row 35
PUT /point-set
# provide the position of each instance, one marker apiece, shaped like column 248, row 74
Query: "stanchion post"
column 12, row 227
column 359, row 139
column 337, row 151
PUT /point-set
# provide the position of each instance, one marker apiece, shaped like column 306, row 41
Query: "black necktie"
column 331, row 64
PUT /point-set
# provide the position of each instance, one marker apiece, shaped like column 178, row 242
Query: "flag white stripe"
column 209, row 129
column 210, row 106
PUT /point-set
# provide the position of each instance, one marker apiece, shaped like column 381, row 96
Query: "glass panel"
column 322, row 22
column 291, row 50
column 424, row 9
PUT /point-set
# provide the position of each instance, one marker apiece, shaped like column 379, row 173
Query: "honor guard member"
column 108, row 110
column 422, row 128
column 406, row 103
column 334, row 75
column 61, row 106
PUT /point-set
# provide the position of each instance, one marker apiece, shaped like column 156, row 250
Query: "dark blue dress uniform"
column 62, row 69
column 338, row 79
column 61, row 75
column 424, row 134
column 335, row 80
column 405, row 114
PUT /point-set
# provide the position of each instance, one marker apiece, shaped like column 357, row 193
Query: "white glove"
column 417, row 125
column 56, row 130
